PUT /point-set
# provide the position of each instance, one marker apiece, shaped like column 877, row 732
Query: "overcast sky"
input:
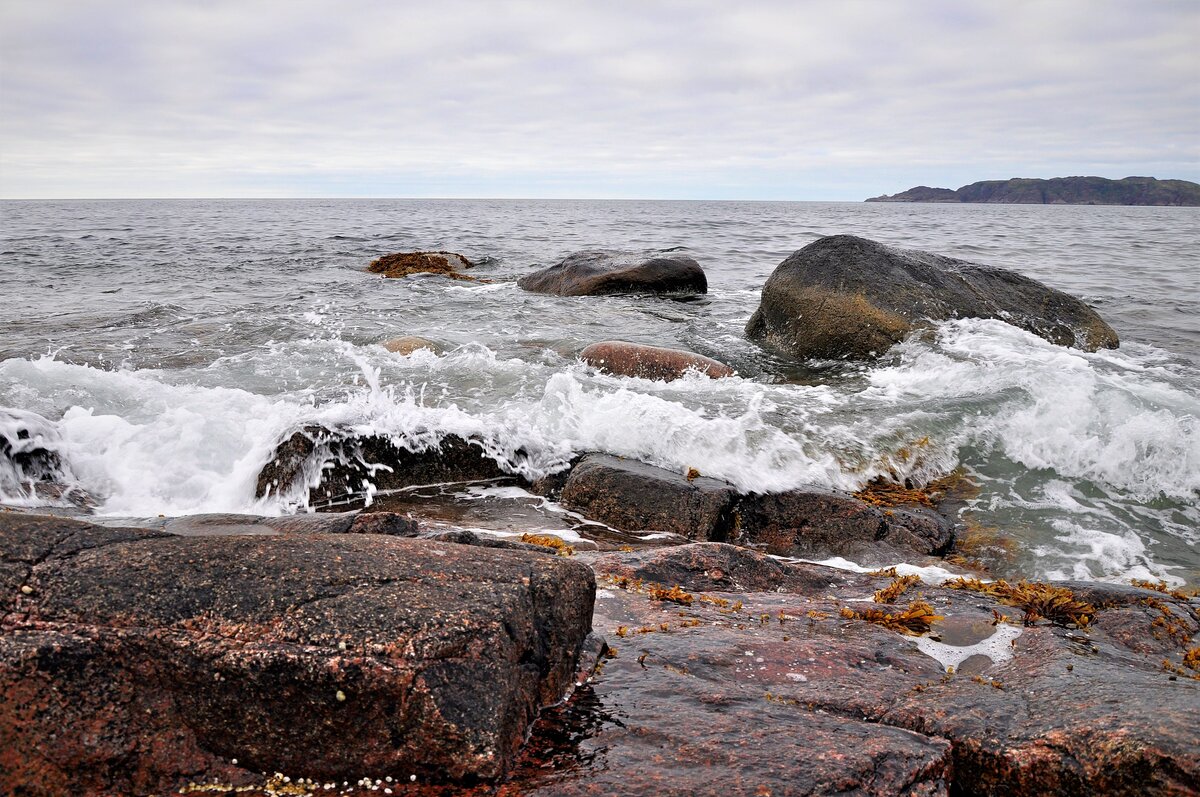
column 705, row 99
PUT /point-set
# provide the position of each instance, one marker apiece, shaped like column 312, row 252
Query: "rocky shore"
column 325, row 657
column 672, row 635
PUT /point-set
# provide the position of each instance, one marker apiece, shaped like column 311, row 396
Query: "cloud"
column 665, row 99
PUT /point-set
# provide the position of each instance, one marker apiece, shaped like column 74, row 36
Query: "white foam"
column 931, row 574
column 1110, row 433
column 998, row 647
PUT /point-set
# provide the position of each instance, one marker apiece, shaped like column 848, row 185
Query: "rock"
column 633, row 496
column 818, row 522
column 718, row 567
column 650, row 362
column 602, row 272
column 403, row 264
column 32, row 463
column 710, row 699
column 336, row 466
column 136, row 661
column 844, row 297
column 409, row 343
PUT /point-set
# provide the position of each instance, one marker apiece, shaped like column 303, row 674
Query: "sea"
column 170, row 345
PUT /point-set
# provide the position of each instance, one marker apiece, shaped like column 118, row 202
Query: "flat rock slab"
column 131, row 659
column 596, row 273
column 845, row 297
column 1050, row 710
column 650, row 362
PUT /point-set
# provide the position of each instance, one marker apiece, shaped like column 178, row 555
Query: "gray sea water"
column 173, row 343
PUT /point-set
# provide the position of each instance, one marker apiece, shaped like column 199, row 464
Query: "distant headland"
column 1060, row 191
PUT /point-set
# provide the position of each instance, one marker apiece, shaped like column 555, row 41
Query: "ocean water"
column 172, row 344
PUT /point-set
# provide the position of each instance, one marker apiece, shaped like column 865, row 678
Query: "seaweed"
column 897, row 588
column 673, row 595
column 894, row 490
column 549, row 541
column 1039, row 601
column 914, row 620
column 1161, row 586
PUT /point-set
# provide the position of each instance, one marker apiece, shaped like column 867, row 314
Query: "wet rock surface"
column 634, row 496
column 597, row 273
column 131, row 659
column 689, row 703
column 650, row 362
column 336, row 467
column 845, row 297
column 817, row 522
column 730, row 671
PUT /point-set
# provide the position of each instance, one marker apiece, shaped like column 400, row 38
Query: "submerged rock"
column 602, row 272
column 409, row 343
column 334, row 466
column 650, row 362
column 845, row 297
column 132, row 660
column 633, row 496
column 403, row 264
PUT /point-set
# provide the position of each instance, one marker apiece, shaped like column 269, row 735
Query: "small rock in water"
column 597, row 273
column 403, row 264
column 650, row 362
column 407, row 344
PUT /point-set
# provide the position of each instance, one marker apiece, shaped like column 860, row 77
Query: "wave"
column 1119, row 427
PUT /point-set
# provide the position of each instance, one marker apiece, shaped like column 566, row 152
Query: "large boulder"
column 845, row 297
column 603, row 272
column 404, row 264
column 633, row 496
column 336, row 466
column 650, row 362
column 132, row 660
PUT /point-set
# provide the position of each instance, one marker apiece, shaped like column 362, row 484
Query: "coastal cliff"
column 1060, row 191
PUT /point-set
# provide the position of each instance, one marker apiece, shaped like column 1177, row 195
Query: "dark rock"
column 131, row 660
column 713, row 566
column 31, row 462
column 633, row 496
column 334, row 465
column 1060, row 191
column 389, row 523
column 848, row 297
column 403, row 264
column 551, row 485
column 602, row 272
column 817, row 522
column 468, row 537
column 650, row 362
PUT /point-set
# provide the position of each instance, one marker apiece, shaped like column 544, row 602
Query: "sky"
column 704, row 99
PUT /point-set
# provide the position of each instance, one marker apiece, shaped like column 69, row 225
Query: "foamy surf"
column 1115, row 434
